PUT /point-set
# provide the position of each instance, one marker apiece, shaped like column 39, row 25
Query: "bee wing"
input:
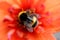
column 30, row 29
column 28, row 26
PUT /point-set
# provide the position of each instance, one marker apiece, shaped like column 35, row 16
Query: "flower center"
column 28, row 19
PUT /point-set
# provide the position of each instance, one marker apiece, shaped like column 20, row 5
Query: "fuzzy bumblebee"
column 28, row 19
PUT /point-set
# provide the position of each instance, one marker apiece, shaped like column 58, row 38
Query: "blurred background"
column 57, row 35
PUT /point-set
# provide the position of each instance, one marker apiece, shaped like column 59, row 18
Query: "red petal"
column 26, row 4
column 33, row 36
column 54, row 15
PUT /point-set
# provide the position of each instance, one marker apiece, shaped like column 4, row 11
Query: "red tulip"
column 47, row 15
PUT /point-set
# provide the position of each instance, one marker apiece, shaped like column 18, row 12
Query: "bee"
column 28, row 19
